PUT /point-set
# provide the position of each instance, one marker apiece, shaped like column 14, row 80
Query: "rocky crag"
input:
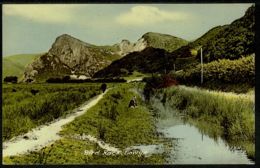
column 69, row 56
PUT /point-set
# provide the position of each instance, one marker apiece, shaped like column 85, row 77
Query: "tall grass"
column 113, row 121
column 110, row 120
column 233, row 114
column 71, row 151
column 23, row 111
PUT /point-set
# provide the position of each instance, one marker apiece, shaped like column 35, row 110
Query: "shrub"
column 12, row 79
column 220, row 74
column 157, row 82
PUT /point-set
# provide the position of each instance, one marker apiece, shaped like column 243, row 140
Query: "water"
column 192, row 146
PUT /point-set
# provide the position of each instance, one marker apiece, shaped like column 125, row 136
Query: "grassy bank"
column 23, row 110
column 227, row 115
column 114, row 122
column 110, row 120
column 72, row 151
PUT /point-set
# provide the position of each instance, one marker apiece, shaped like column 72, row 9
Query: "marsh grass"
column 23, row 111
column 228, row 115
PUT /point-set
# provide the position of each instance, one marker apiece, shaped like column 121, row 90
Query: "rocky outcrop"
column 127, row 47
column 70, row 56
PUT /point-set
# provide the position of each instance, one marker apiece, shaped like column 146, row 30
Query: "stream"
column 192, row 146
column 189, row 144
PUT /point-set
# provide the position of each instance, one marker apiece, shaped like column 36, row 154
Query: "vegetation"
column 235, row 41
column 148, row 60
column 112, row 118
column 163, row 41
column 12, row 79
column 24, row 108
column 228, row 52
column 230, row 114
column 109, row 120
column 67, row 79
column 71, row 151
column 157, row 82
column 135, row 75
column 232, row 42
column 15, row 65
column 226, row 75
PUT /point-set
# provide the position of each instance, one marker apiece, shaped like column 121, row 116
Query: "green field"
column 109, row 120
column 226, row 115
column 23, row 111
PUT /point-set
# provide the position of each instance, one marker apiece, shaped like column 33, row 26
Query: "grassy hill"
column 15, row 65
column 153, row 59
column 235, row 41
column 164, row 41
column 222, row 42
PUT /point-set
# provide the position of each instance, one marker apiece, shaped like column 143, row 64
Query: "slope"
column 222, row 42
column 15, row 65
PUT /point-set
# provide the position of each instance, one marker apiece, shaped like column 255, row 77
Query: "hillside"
column 145, row 61
column 153, row 60
column 235, row 41
column 222, row 42
column 71, row 56
column 15, row 65
column 164, row 41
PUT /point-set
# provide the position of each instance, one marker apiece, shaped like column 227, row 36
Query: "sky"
column 33, row 28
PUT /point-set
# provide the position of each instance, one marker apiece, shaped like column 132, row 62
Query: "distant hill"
column 164, row 41
column 152, row 60
column 71, row 56
column 15, row 65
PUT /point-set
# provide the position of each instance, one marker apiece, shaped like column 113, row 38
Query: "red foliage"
column 166, row 81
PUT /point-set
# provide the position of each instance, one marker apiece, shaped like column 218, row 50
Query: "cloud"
column 42, row 13
column 148, row 15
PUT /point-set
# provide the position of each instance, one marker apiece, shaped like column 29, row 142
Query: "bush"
column 223, row 72
column 157, row 82
column 12, row 79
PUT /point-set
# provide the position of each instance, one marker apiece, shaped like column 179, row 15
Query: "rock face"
column 127, row 47
column 81, row 57
column 69, row 56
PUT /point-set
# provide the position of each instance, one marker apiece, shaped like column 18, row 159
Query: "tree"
column 12, row 79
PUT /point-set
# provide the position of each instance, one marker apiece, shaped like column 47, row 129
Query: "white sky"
column 29, row 29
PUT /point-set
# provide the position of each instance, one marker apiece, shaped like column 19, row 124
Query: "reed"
column 233, row 114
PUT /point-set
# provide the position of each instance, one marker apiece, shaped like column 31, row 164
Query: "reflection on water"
column 194, row 147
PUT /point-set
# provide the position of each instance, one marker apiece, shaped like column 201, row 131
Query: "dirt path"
column 44, row 135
